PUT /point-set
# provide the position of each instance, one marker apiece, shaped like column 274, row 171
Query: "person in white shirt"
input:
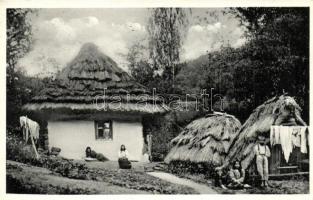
column 123, row 156
column 262, row 152
column 123, row 153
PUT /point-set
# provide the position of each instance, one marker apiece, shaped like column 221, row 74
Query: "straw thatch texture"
column 276, row 111
column 205, row 140
column 94, row 77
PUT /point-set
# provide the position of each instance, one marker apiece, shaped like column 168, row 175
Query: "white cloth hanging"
column 29, row 127
column 33, row 128
column 30, row 130
column 296, row 136
column 275, row 135
column 303, row 147
column 286, row 141
column 289, row 137
column 24, row 126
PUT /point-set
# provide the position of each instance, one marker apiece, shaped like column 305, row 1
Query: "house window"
column 104, row 130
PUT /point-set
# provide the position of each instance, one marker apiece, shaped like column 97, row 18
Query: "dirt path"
column 201, row 188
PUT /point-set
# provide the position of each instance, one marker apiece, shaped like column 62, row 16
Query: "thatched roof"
column 281, row 110
column 92, row 76
column 205, row 140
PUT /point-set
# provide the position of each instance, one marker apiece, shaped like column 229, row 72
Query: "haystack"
column 90, row 78
column 205, row 140
column 282, row 110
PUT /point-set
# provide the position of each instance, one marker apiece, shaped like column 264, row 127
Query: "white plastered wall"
column 74, row 136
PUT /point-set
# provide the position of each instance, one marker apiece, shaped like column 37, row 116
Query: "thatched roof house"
column 205, row 140
column 94, row 103
column 282, row 110
column 90, row 76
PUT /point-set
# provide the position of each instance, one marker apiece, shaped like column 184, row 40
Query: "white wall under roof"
column 74, row 136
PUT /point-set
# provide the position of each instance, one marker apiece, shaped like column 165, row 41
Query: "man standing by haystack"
column 262, row 153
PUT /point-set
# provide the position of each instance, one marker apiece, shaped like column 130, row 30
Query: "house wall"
column 74, row 136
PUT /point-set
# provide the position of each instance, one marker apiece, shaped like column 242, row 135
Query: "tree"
column 167, row 29
column 19, row 40
column 279, row 43
column 139, row 65
column 273, row 61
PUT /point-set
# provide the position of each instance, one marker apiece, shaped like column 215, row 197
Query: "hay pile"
column 92, row 76
column 282, row 110
column 205, row 140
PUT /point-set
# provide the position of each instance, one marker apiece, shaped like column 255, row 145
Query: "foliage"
column 19, row 39
column 139, row 66
column 78, row 170
column 167, row 29
column 163, row 130
column 19, row 35
column 274, row 60
column 183, row 168
column 32, row 182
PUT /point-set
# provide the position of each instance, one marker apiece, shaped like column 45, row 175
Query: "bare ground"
column 201, row 188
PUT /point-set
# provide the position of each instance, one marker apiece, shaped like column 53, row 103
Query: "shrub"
column 186, row 167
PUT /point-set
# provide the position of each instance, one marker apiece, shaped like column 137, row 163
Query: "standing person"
column 262, row 152
column 123, row 158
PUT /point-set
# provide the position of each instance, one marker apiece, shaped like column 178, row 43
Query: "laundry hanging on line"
column 304, row 140
column 286, row 141
column 289, row 137
column 30, row 128
column 275, row 135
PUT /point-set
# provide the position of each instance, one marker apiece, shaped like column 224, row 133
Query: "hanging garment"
column 304, row 136
column 23, row 121
column 24, row 127
column 286, row 141
column 275, row 135
column 33, row 128
column 295, row 136
column 29, row 128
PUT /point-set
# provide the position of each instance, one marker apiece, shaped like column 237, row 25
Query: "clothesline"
column 289, row 137
column 30, row 130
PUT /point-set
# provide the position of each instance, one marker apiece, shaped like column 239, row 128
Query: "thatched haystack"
column 92, row 76
column 205, row 140
column 282, row 110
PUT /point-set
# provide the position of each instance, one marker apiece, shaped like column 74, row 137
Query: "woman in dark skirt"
column 123, row 161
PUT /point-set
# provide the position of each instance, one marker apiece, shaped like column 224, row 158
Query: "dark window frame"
column 102, row 127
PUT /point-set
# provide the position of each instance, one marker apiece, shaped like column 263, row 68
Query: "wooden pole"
column 32, row 139
column 33, row 144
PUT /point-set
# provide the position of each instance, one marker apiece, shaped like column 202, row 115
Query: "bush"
column 71, row 169
column 182, row 168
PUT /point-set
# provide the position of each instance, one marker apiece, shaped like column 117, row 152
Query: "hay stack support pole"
column 33, row 144
column 32, row 140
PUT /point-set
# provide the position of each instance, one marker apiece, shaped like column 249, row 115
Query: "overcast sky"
column 59, row 34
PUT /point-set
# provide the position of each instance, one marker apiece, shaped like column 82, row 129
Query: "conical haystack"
column 281, row 110
column 205, row 140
